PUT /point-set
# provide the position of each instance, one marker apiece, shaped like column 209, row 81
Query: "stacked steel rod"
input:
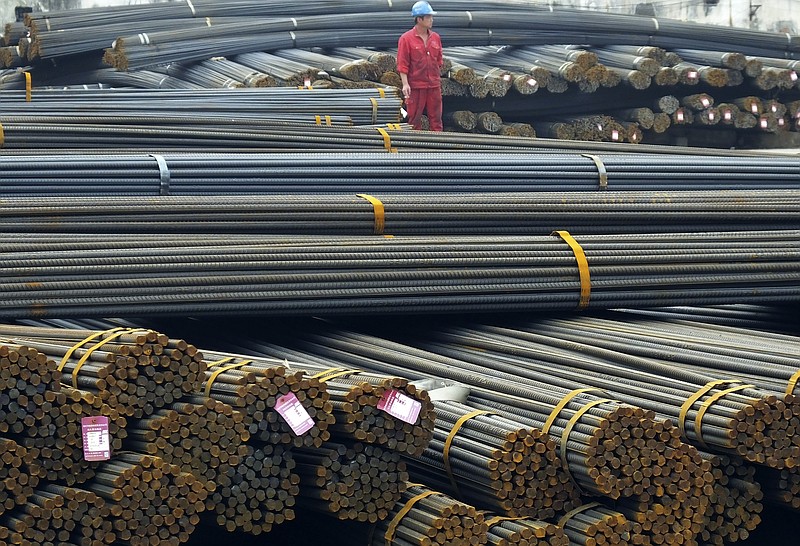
column 322, row 173
column 133, row 371
column 621, row 451
column 297, row 276
column 425, row 516
column 727, row 421
column 471, row 213
column 353, row 481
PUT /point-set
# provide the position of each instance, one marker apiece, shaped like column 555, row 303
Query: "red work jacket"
column 422, row 63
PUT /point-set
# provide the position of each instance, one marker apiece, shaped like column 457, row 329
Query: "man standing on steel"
column 419, row 61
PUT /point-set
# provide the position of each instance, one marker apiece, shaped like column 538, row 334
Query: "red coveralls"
column 422, row 64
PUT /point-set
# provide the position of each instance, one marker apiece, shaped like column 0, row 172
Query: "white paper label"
column 96, row 440
column 293, row 412
column 397, row 404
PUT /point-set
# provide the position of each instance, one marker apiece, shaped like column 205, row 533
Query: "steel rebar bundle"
column 364, row 106
column 186, row 174
column 425, row 516
column 261, row 493
column 127, row 484
column 492, row 461
column 258, row 387
column 582, row 354
column 522, row 531
column 735, row 508
column 66, row 463
column 122, row 367
column 18, row 477
column 587, row 428
column 200, row 435
column 207, row 274
column 351, row 481
column 467, row 213
column 62, row 515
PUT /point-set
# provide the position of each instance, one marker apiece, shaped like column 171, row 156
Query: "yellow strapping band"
column 561, row 405
column 695, row 397
column 392, row 528
column 792, row 381
column 601, row 170
column 572, row 513
column 318, row 119
column 93, row 348
column 28, row 85
column 222, row 370
column 374, row 110
column 568, row 431
column 448, row 442
column 394, row 126
column 583, row 267
column 381, row 92
column 379, row 212
column 218, row 362
column 2, row 136
column 326, row 372
column 387, row 140
column 78, row 345
column 497, row 519
column 338, row 374
column 698, row 420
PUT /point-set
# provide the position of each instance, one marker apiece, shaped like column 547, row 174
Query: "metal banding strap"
column 28, row 86
column 448, row 442
column 294, row 22
column 489, row 41
column 379, row 212
column 218, row 362
column 163, row 173
column 583, row 267
column 561, row 405
column 568, row 431
column 697, row 396
column 144, row 39
column 333, row 373
column 374, row 110
column 387, row 140
column 497, row 519
column 572, row 513
column 92, row 349
column 392, row 528
column 601, row 170
column 469, row 14
column 78, row 345
column 223, row 369
column 390, row 4
column 208, row 21
column 789, row 388
column 191, row 7
column 2, row 136
column 47, row 22
column 698, row 420
column 656, row 22
column 294, row 39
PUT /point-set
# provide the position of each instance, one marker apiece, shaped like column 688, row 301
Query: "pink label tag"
column 96, row 441
column 295, row 415
column 397, row 404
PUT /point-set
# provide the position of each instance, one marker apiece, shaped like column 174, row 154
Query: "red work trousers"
column 428, row 101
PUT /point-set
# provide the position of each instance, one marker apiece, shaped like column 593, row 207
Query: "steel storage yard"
column 244, row 300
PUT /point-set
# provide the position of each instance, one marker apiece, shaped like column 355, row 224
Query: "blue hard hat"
column 422, row 8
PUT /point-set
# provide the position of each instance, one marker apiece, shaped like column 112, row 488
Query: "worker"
column 419, row 62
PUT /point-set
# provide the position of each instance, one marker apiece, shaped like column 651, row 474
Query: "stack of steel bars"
column 186, row 174
column 200, row 274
